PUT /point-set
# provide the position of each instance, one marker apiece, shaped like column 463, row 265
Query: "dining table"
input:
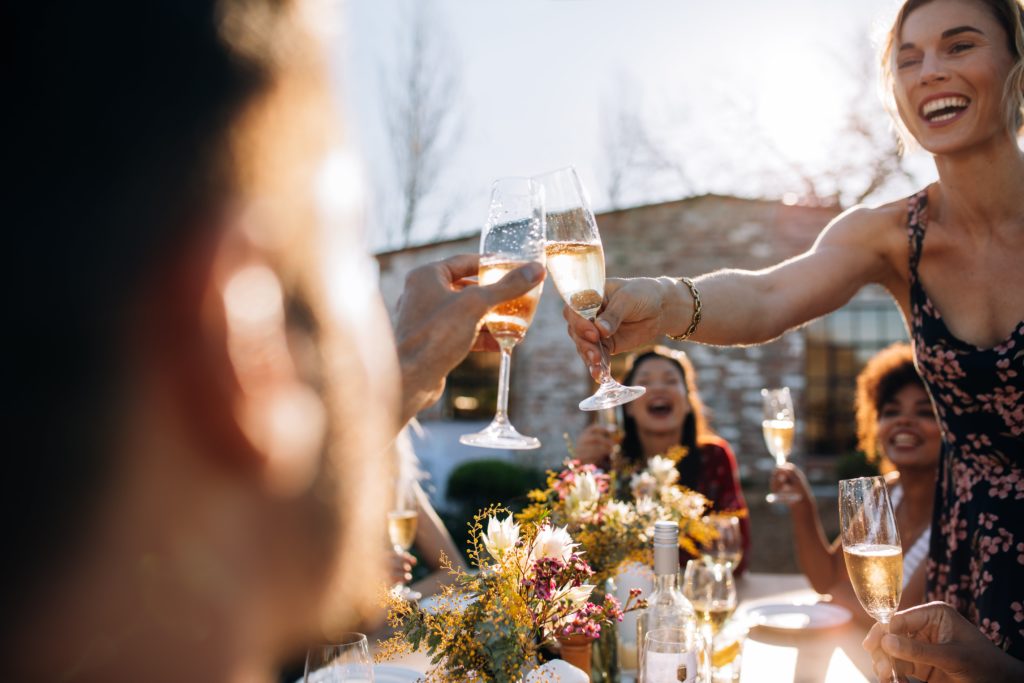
column 774, row 651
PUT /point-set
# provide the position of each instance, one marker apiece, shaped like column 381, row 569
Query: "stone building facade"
column 689, row 237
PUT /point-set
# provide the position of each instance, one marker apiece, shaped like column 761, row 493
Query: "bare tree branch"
column 421, row 104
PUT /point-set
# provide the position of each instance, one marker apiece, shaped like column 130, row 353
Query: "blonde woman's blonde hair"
column 1010, row 15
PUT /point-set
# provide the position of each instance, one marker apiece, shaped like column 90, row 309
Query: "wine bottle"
column 669, row 614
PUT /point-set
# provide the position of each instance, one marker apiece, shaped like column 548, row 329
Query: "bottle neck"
column 666, row 583
column 666, row 564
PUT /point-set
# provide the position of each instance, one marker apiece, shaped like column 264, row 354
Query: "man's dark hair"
column 117, row 115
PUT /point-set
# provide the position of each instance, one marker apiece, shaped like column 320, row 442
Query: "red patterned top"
column 719, row 482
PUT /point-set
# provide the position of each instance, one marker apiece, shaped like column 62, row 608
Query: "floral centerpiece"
column 613, row 531
column 532, row 586
column 613, row 516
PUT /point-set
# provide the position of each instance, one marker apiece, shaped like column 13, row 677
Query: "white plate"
column 788, row 617
column 458, row 601
column 386, row 673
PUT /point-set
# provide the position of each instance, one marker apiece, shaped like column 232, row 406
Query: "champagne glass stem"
column 605, row 374
column 892, row 665
column 501, row 414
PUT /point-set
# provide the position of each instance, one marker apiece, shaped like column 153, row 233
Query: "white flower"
column 576, row 596
column 552, row 542
column 581, row 501
column 663, row 470
column 646, row 506
column 501, row 536
column 618, row 511
column 643, row 485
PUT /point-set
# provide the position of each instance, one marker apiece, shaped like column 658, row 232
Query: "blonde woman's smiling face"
column 951, row 65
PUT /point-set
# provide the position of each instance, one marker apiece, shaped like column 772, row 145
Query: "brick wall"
column 686, row 237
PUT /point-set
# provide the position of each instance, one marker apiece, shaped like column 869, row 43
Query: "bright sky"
column 539, row 78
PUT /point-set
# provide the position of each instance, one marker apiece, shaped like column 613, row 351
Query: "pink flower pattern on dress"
column 976, row 559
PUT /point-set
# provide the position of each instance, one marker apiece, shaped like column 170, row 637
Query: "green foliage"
column 854, row 465
column 478, row 484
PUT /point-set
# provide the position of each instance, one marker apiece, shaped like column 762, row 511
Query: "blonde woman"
column 951, row 258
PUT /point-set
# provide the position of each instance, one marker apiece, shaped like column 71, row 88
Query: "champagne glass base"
column 786, row 497
column 611, row 395
column 500, row 435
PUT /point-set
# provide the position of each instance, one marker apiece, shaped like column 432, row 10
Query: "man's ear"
column 221, row 335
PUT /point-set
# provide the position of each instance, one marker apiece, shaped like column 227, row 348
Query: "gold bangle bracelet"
column 695, row 318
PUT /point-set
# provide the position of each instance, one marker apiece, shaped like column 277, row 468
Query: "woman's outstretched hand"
column 636, row 312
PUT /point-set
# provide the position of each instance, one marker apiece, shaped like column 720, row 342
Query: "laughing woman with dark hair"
column 671, row 414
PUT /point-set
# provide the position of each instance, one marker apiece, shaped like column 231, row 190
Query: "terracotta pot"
column 576, row 650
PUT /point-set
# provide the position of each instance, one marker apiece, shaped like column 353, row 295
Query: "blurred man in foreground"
column 192, row 412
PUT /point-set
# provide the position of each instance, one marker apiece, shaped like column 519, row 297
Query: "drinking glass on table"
column 871, row 546
column 512, row 237
column 347, row 660
column 576, row 264
column 711, row 590
column 402, row 529
column 778, row 426
column 727, row 546
column 668, row 656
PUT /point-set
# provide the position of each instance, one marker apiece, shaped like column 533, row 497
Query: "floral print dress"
column 976, row 558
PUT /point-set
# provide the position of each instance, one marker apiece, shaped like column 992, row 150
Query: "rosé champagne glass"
column 576, row 263
column 512, row 237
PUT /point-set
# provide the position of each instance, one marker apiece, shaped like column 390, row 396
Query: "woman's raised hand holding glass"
column 575, row 259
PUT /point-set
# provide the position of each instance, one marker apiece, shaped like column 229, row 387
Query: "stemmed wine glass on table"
column 402, row 521
column 575, row 261
column 344, row 661
column 512, row 237
column 871, row 546
column 778, row 425
column 711, row 590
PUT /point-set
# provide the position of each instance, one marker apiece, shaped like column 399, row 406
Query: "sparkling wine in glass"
column 871, row 546
column 512, row 237
column 576, row 263
column 402, row 522
column 778, row 426
column 344, row 661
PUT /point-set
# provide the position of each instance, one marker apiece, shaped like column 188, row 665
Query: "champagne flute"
column 778, row 426
column 347, row 660
column 727, row 546
column 871, row 546
column 576, row 263
column 512, row 237
column 402, row 522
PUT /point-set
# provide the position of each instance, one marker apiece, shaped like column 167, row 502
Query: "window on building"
column 471, row 390
column 838, row 346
